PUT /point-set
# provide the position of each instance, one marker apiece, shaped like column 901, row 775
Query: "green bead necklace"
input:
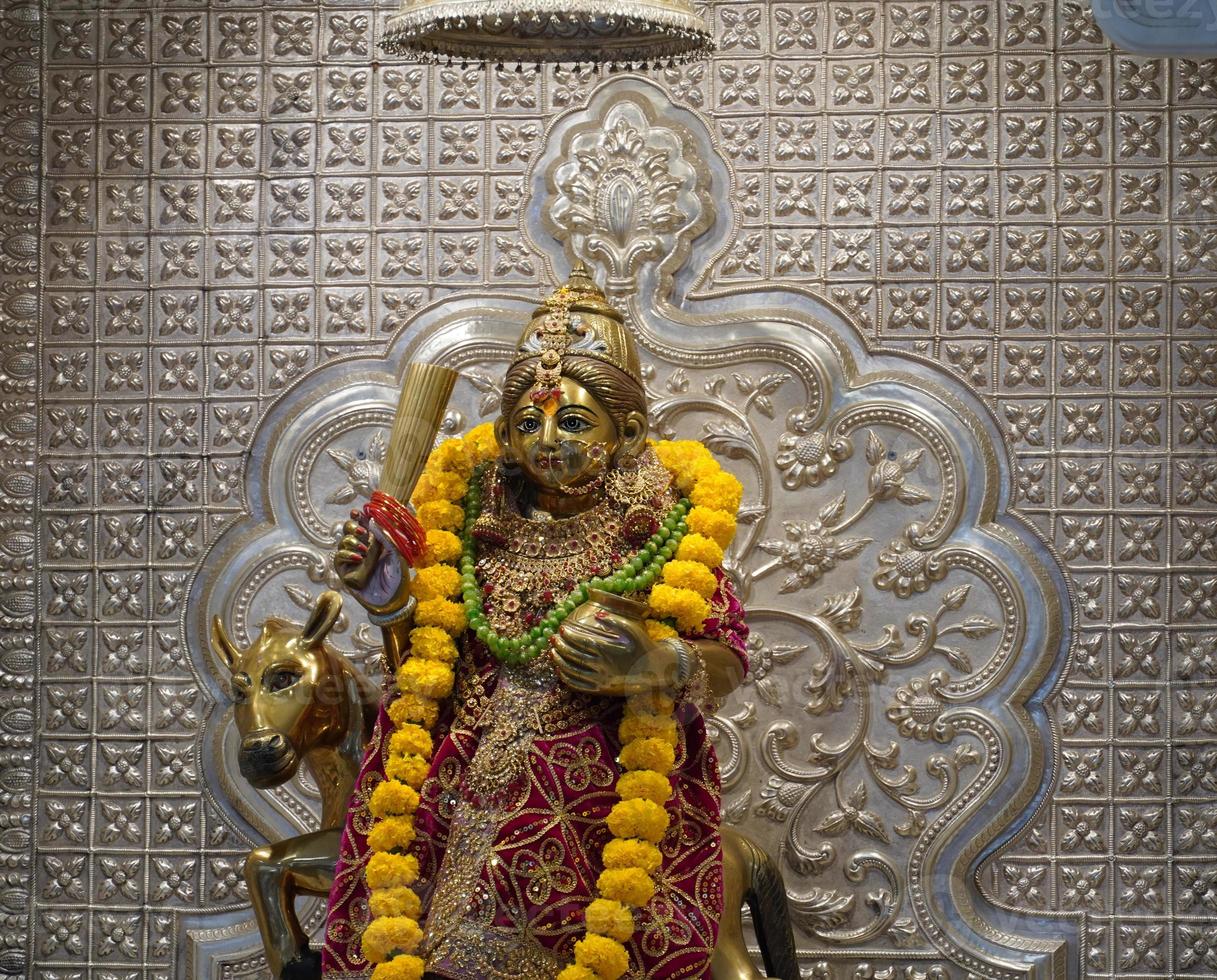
column 636, row 574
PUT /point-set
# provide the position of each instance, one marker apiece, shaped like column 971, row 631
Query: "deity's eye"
column 280, row 679
column 528, row 425
column 573, row 423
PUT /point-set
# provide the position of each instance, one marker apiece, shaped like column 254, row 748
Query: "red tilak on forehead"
column 547, row 399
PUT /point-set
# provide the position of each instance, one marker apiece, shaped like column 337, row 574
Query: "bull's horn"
column 222, row 646
column 323, row 617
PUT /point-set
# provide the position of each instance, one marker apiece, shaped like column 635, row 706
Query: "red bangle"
column 399, row 525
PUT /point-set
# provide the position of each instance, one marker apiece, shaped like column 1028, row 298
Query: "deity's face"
column 563, row 441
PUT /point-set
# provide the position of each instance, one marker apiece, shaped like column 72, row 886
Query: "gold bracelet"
column 693, row 682
column 389, row 619
column 687, row 660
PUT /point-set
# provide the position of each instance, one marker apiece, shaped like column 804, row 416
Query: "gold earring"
column 625, row 461
column 627, row 481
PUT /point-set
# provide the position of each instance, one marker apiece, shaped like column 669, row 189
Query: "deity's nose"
column 549, row 432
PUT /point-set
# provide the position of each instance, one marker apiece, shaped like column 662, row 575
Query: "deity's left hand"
column 611, row 655
column 370, row 567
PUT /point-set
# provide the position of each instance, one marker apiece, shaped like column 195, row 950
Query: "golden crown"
column 577, row 319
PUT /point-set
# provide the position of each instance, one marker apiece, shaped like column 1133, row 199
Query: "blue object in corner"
column 1160, row 27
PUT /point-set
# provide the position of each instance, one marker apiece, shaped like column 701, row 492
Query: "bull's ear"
column 323, row 617
column 222, row 645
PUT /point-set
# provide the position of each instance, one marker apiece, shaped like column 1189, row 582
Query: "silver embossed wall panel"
column 233, row 196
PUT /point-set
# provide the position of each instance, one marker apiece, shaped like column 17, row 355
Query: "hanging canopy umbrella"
column 621, row 33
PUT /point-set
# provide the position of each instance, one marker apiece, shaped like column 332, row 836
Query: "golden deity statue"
column 537, row 797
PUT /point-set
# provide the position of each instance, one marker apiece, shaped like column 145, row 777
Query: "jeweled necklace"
column 636, row 574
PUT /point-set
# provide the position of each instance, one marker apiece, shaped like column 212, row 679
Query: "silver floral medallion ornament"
column 622, row 34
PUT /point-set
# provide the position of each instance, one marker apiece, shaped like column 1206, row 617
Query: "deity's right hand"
column 370, row 567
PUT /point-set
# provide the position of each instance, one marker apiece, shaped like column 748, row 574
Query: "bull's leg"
column 276, row 874
column 750, row 875
column 731, row 960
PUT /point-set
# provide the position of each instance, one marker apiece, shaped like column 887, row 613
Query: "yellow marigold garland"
column 629, row 852
column 683, row 605
column 424, row 679
column 442, row 547
column 435, row 582
column 638, row 822
column 648, row 733
column 605, row 917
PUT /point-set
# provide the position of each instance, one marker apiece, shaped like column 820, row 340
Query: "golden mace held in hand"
column 425, row 391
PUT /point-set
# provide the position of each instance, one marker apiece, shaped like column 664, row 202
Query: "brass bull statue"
column 298, row 701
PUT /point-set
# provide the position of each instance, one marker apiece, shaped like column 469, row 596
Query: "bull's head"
column 289, row 692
